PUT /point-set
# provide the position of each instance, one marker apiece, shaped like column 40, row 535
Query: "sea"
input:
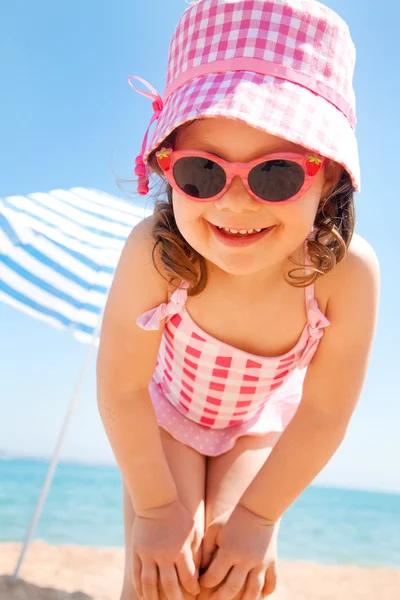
column 84, row 506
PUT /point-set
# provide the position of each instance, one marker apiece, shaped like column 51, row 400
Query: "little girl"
column 238, row 328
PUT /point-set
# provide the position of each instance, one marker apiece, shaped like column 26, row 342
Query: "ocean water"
column 325, row 525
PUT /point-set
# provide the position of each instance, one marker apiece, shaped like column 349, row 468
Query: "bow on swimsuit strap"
column 141, row 170
column 150, row 320
column 316, row 323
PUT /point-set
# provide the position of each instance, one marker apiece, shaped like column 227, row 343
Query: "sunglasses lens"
column 276, row 180
column 199, row 177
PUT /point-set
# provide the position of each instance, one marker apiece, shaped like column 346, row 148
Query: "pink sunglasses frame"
column 311, row 163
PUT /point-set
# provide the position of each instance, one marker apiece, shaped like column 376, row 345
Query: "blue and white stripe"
column 58, row 253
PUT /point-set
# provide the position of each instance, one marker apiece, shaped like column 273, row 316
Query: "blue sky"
column 70, row 119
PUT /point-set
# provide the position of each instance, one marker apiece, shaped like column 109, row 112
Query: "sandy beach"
column 82, row 573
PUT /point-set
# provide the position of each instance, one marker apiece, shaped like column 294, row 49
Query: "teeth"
column 241, row 231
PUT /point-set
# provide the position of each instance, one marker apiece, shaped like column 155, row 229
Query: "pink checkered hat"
column 283, row 66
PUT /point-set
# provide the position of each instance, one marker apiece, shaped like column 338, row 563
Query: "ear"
column 332, row 173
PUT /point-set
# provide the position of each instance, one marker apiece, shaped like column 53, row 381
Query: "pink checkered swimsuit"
column 207, row 393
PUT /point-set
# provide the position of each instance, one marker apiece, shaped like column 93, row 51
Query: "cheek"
column 296, row 221
column 302, row 212
column 300, row 216
column 188, row 216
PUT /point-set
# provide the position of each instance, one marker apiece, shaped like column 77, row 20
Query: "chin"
column 239, row 265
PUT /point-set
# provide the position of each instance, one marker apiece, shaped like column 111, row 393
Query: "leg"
column 188, row 469
column 228, row 475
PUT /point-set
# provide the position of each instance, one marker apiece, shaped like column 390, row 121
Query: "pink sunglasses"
column 272, row 178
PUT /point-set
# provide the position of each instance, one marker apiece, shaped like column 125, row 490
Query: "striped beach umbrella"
column 58, row 254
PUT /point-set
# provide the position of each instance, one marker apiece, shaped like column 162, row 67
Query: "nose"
column 236, row 199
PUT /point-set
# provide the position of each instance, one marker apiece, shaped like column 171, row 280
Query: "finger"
column 217, row 571
column 209, row 546
column 169, row 582
column 149, row 581
column 137, row 575
column 232, row 586
column 254, row 585
column 187, row 572
column 196, row 547
column 271, row 577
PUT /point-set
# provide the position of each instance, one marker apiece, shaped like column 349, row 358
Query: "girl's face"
column 291, row 223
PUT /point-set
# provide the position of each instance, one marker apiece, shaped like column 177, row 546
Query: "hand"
column 243, row 553
column 209, row 543
column 164, row 544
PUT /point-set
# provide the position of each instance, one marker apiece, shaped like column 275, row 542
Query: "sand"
column 82, row 573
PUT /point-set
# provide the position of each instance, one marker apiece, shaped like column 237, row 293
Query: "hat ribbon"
column 141, row 170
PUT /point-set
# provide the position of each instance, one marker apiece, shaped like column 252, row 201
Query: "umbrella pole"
column 56, row 452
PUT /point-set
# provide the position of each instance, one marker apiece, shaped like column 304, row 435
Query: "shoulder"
column 140, row 256
column 139, row 282
column 140, row 241
column 351, row 308
column 357, row 276
column 361, row 254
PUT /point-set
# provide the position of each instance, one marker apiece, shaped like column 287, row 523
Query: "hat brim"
column 274, row 105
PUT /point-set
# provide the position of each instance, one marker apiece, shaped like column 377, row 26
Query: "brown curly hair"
column 333, row 230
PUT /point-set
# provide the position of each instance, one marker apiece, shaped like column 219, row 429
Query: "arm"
column 126, row 361
column 331, row 389
column 163, row 535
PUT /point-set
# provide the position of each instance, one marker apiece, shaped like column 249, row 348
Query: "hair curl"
column 327, row 246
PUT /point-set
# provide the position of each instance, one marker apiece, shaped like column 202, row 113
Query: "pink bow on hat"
column 141, row 170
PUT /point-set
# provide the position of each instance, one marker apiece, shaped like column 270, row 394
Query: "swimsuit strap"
column 310, row 297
